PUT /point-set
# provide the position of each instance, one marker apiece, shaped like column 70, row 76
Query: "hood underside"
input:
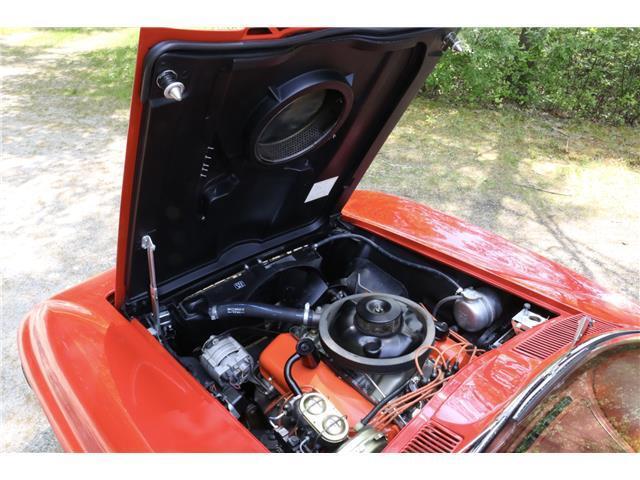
column 268, row 141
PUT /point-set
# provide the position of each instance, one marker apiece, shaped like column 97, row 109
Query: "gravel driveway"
column 62, row 159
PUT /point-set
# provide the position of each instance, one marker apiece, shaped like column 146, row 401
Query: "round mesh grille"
column 292, row 146
column 299, row 127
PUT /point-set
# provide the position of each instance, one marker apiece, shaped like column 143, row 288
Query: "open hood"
column 241, row 140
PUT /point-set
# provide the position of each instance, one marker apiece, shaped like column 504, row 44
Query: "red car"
column 261, row 304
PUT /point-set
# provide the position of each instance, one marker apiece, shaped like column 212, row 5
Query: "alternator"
column 226, row 360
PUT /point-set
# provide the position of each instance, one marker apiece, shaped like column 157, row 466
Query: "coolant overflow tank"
column 475, row 310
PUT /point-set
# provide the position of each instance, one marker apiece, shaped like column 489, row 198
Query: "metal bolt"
column 172, row 88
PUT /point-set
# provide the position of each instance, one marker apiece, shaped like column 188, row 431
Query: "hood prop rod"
column 150, row 247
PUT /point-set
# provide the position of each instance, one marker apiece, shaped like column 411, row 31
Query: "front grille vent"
column 550, row 340
column 433, row 438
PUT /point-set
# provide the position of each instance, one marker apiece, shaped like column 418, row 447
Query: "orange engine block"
column 321, row 379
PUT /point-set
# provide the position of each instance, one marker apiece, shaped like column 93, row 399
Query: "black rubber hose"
column 374, row 411
column 402, row 261
column 439, row 305
column 264, row 311
column 291, row 382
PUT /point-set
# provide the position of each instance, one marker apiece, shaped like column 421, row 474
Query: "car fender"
column 487, row 256
column 107, row 385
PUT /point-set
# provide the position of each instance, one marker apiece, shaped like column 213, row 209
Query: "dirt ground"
column 566, row 191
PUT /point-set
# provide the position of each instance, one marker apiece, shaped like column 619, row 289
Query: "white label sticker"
column 320, row 189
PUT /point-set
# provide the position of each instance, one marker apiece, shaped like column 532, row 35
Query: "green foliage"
column 111, row 71
column 592, row 73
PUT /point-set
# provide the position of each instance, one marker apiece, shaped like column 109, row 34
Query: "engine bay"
column 336, row 342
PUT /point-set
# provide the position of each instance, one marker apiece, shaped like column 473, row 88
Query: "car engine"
column 334, row 344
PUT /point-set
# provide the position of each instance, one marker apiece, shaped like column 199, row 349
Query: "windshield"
column 597, row 409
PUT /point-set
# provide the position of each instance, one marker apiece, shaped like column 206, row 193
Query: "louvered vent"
column 550, row 340
column 433, row 438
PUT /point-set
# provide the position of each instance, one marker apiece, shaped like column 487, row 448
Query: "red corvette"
column 261, row 304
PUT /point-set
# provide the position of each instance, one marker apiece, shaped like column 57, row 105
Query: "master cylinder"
column 348, row 401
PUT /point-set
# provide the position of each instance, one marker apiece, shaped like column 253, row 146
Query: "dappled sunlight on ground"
column 568, row 191
column 62, row 157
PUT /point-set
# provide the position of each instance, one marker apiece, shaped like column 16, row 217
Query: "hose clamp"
column 307, row 314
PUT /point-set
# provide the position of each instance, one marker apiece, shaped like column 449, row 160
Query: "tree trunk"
column 522, row 82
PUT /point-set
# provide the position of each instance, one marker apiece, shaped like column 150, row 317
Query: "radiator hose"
column 264, row 311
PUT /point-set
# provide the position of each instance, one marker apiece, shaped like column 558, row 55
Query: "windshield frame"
column 552, row 377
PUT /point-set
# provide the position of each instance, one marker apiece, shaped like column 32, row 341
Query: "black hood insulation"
column 267, row 143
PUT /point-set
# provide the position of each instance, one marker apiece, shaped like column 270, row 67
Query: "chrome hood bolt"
column 172, row 88
column 452, row 41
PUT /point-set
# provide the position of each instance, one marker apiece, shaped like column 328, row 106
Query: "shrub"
column 592, row 73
